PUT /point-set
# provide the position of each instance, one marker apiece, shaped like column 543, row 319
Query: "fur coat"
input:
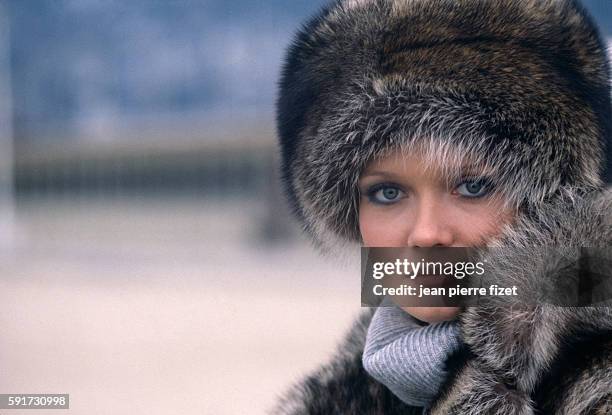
column 522, row 87
column 539, row 359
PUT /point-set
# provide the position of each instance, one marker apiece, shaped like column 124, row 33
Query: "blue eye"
column 474, row 188
column 384, row 194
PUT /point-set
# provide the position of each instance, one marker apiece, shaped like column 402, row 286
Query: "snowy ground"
column 159, row 307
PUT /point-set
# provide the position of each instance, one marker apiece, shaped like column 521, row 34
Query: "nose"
column 430, row 225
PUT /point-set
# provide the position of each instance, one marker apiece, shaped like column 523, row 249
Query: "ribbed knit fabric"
column 407, row 357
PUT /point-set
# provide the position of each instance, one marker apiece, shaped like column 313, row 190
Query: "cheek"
column 480, row 223
column 382, row 227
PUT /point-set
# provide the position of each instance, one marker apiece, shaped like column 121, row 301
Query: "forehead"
column 434, row 158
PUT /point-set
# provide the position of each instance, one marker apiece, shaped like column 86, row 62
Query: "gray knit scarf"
column 407, row 356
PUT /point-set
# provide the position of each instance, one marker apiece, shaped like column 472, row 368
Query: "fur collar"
column 529, row 360
column 517, row 348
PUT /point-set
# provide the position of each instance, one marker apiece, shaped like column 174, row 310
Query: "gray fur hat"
column 521, row 87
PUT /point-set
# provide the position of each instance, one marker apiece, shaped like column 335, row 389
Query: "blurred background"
column 148, row 263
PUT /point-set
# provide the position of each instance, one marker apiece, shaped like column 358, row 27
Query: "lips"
column 434, row 280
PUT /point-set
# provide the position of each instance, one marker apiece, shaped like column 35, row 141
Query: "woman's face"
column 403, row 204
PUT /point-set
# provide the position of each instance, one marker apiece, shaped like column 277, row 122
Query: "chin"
column 433, row 314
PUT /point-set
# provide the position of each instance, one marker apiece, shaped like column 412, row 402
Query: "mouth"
column 433, row 280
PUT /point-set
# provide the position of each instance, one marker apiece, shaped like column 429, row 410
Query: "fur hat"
column 520, row 87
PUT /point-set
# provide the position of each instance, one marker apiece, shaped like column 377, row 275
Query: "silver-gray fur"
column 518, row 359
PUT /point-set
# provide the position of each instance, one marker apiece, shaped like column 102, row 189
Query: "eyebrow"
column 383, row 174
column 377, row 173
column 467, row 169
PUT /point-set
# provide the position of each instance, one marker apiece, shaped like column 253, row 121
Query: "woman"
column 455, row 123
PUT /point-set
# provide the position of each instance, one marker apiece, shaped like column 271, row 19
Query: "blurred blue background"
column 145, row 96
column 149, row 95
column 148, row 263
